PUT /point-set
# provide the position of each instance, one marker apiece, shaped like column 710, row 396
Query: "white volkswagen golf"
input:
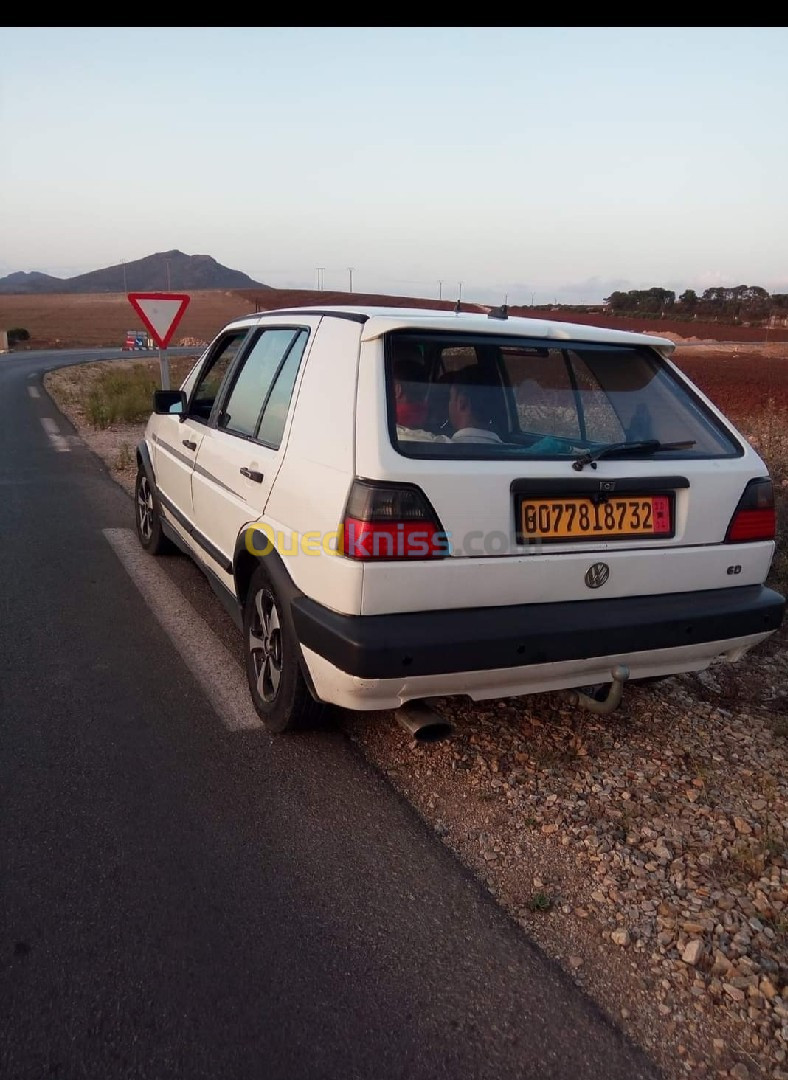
column 398, row 505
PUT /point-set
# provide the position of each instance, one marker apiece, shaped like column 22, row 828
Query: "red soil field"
column 740, row 381
column 74, row 320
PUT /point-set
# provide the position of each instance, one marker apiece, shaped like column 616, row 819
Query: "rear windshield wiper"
column 642, row 446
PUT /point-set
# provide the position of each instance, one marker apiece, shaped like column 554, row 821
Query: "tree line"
column 740, row 303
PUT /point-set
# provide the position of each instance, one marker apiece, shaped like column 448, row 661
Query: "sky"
column 524, row 163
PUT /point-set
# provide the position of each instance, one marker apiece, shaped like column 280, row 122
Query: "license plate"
column 581, row 518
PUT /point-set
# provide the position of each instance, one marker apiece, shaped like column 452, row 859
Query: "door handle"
column 251, row 474
column 189, row 444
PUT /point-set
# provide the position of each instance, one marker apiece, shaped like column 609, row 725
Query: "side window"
column 242, row 410
column 272, row 425
column 212, row 376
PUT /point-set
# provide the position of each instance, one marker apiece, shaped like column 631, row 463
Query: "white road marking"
column 213, row 667
column 33, row 391
column 60, row 442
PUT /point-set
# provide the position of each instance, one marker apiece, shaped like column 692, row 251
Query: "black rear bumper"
column 481, row 639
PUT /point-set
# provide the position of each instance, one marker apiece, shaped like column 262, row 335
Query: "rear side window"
column 272, row 425
column 259, row 399
column 509, row 398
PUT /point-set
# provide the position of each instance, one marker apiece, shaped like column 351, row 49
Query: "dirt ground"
column 69, row 321
column 65, row 321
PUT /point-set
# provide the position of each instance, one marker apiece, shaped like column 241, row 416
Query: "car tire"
column 147, row 517
column 273, row 664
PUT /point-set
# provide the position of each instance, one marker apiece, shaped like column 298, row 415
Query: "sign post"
column 161, row 313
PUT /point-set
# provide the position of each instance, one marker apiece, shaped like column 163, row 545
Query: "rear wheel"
column 147, row 516
column 273, row 668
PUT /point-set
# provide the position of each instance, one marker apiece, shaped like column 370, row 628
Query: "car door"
column 240, row 454
column 177, row 437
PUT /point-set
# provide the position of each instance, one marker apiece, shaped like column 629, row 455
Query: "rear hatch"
column 558, row 471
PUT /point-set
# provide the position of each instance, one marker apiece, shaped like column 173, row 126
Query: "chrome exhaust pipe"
column 421, row 722
column 620, row 674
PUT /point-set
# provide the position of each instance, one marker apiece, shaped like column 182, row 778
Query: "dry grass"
column 125, row 395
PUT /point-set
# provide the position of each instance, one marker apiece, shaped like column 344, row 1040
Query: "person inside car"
column 471, row 407
column 410, row 404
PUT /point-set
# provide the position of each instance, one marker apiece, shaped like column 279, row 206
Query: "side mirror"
column 169, row 402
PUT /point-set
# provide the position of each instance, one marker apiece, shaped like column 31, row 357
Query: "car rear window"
column 482, row 397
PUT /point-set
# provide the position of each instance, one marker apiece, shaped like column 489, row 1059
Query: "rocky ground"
column 647, row 850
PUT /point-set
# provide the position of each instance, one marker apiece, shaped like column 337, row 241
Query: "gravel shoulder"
column 646, row 851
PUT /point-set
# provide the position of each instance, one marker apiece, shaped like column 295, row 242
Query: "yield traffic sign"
column 161, row 313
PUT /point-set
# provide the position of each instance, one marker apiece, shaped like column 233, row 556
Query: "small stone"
column 767, row 988
column 740, row 1072
column 575, row 962
column 742, row 826
column 693, row 952
column 692, row 928
column 722, row 964
column 719, row 1046
column 733, row 992
column 621, row 937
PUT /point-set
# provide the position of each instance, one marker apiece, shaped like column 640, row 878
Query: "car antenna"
column 501, row 312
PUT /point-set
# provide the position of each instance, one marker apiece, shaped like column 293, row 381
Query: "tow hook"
column 610, row 702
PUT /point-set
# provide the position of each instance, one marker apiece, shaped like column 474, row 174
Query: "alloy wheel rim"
column 145, row 509
column 265, row 645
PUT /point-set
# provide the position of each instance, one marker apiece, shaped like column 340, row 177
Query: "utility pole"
column 532, row 299
column 459, row 297
column 125, row 286
column 167, row 264
column 320, row 270
column 350, row 276
column 440, row 290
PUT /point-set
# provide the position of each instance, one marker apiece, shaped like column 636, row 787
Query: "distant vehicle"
column 136, row 340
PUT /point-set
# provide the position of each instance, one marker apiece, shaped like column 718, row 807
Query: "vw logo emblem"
column 597, row 575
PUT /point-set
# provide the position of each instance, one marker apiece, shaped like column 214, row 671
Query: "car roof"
column 381, row 320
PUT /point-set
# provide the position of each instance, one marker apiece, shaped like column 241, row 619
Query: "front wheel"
column 147, row 517
column 273, row 669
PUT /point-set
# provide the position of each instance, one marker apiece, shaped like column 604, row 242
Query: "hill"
column 166, row 270
column 32, row 282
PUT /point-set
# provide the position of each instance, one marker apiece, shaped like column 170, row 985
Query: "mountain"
column 166, row 271
column 32, row 282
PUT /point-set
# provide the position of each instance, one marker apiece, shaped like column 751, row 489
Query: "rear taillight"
column 755, row 517
column 391, row 521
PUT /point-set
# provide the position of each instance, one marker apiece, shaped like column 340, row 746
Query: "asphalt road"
column 183, row 901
